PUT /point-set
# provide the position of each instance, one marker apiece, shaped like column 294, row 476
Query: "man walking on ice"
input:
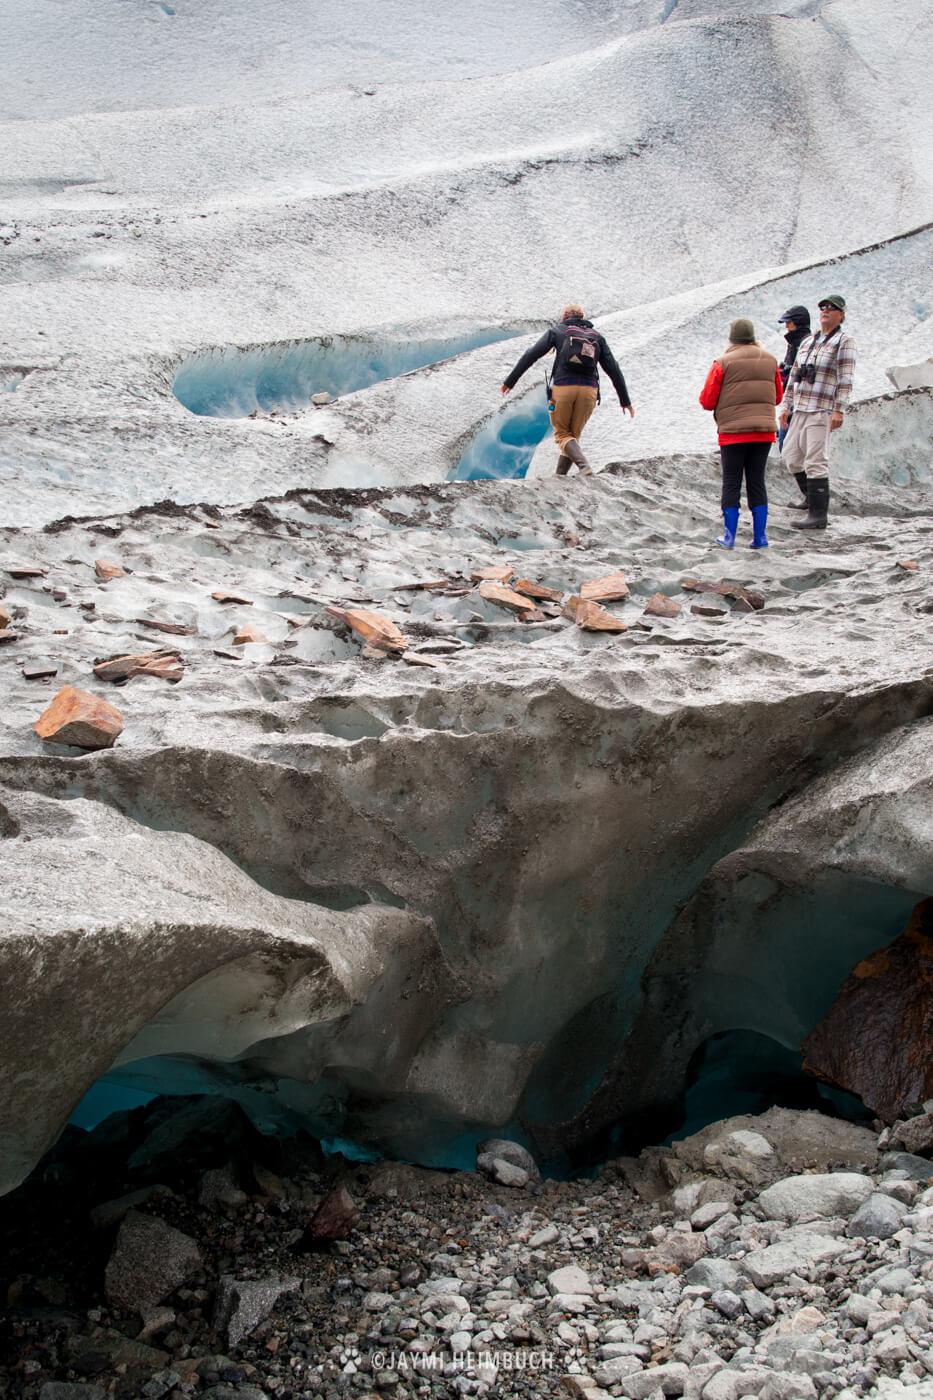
column 578, row 351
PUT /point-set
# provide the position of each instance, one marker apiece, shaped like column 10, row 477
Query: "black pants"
column 746, row 459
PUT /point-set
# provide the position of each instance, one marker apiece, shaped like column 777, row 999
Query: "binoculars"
column 805, row 374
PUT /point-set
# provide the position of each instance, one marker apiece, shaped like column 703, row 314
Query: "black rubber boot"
column 818, row 502
column 801, row 502
column 575, row 452
column 563, row 464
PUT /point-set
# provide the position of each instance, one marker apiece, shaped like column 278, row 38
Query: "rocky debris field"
column 175, row 1253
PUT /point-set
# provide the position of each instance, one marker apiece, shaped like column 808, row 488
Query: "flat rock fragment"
column 40, row 670
column 733, row 591
column 376, row 631
column 26, row 571
column 77, row 717
column 607, row 589
column 106, row 569
column 335, row 1217
column 247, row 633
column 592, row 617
column 174, row 629
column 165, row 665
column 659, row 605
column 506, row 598
column 494, row 573
column 221, row 595
column 8, row 634
column 538, row 591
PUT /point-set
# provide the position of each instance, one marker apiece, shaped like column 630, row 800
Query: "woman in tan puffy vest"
column 743, row 389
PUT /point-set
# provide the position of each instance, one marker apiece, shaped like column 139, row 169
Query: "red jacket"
column 709, row 398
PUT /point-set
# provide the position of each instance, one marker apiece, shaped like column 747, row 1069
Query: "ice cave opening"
column 230, row 381
column 733, row 1072
column 505, row 445
column 10, row 380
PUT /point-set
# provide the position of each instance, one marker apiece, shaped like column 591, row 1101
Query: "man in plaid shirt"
column 817, row 395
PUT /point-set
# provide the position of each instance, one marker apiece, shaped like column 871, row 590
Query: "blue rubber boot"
column 759, row 521
column 730, row 523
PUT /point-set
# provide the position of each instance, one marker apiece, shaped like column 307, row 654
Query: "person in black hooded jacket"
column 796, row 321
column 575, row 382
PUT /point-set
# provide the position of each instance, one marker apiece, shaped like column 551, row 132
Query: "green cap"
column 742, row 332
column 837, row 303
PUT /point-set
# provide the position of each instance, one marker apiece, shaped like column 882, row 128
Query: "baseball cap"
column 837, row 303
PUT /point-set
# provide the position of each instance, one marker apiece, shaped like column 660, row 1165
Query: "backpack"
column 578, row 352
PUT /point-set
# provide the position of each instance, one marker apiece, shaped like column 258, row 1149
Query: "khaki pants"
column 806, row 447
column 573, row 405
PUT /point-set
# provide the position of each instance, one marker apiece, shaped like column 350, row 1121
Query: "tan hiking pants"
column 573, row 405
column 806, row 447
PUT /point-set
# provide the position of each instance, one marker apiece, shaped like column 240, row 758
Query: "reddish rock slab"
column 77, row 717
column 495, row 573
column 506, row 598
column 26, row 571
column 8, row 634
column 40, row 670
column 431, row 585
column 876, row 1040
column 166, row 665
column 222, row 596
column 106, row 569
column 376, row 631
column 734, row 591
column 174, row 629
column 6, row 617
column 246, row 633
column 910, row 565
column 529, row 589
column 707, row 612
column 592, row 617
column 607, row 589
column 659, row 605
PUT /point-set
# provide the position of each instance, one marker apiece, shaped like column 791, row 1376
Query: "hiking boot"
column 801, row 503
column 730, row 523
column 818, row 503
column 575, row 452
column 563, row 464
column 759, row 521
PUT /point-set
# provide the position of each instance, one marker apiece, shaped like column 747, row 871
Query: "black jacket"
column 551, row 341
column 794, row 339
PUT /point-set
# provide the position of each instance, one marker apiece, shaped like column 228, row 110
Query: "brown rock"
column 659, row 605
column 247, row 633
column 107, row 569
column 6, row 617
column 335, row 1217
column 431, row 585
column 79, row 718
column 910, row 564
column 375, row 630
column 724, row 589
column 592, row 617
column 707, row 612
column 606, row 589
column 39, row 670
column 876, row 1040
column 166, row 665
column 530, row 589
column 496, row 573
column 7, row 634
column 175, row 629
column 26, row 571
column 506, row 598
column 222, row 596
